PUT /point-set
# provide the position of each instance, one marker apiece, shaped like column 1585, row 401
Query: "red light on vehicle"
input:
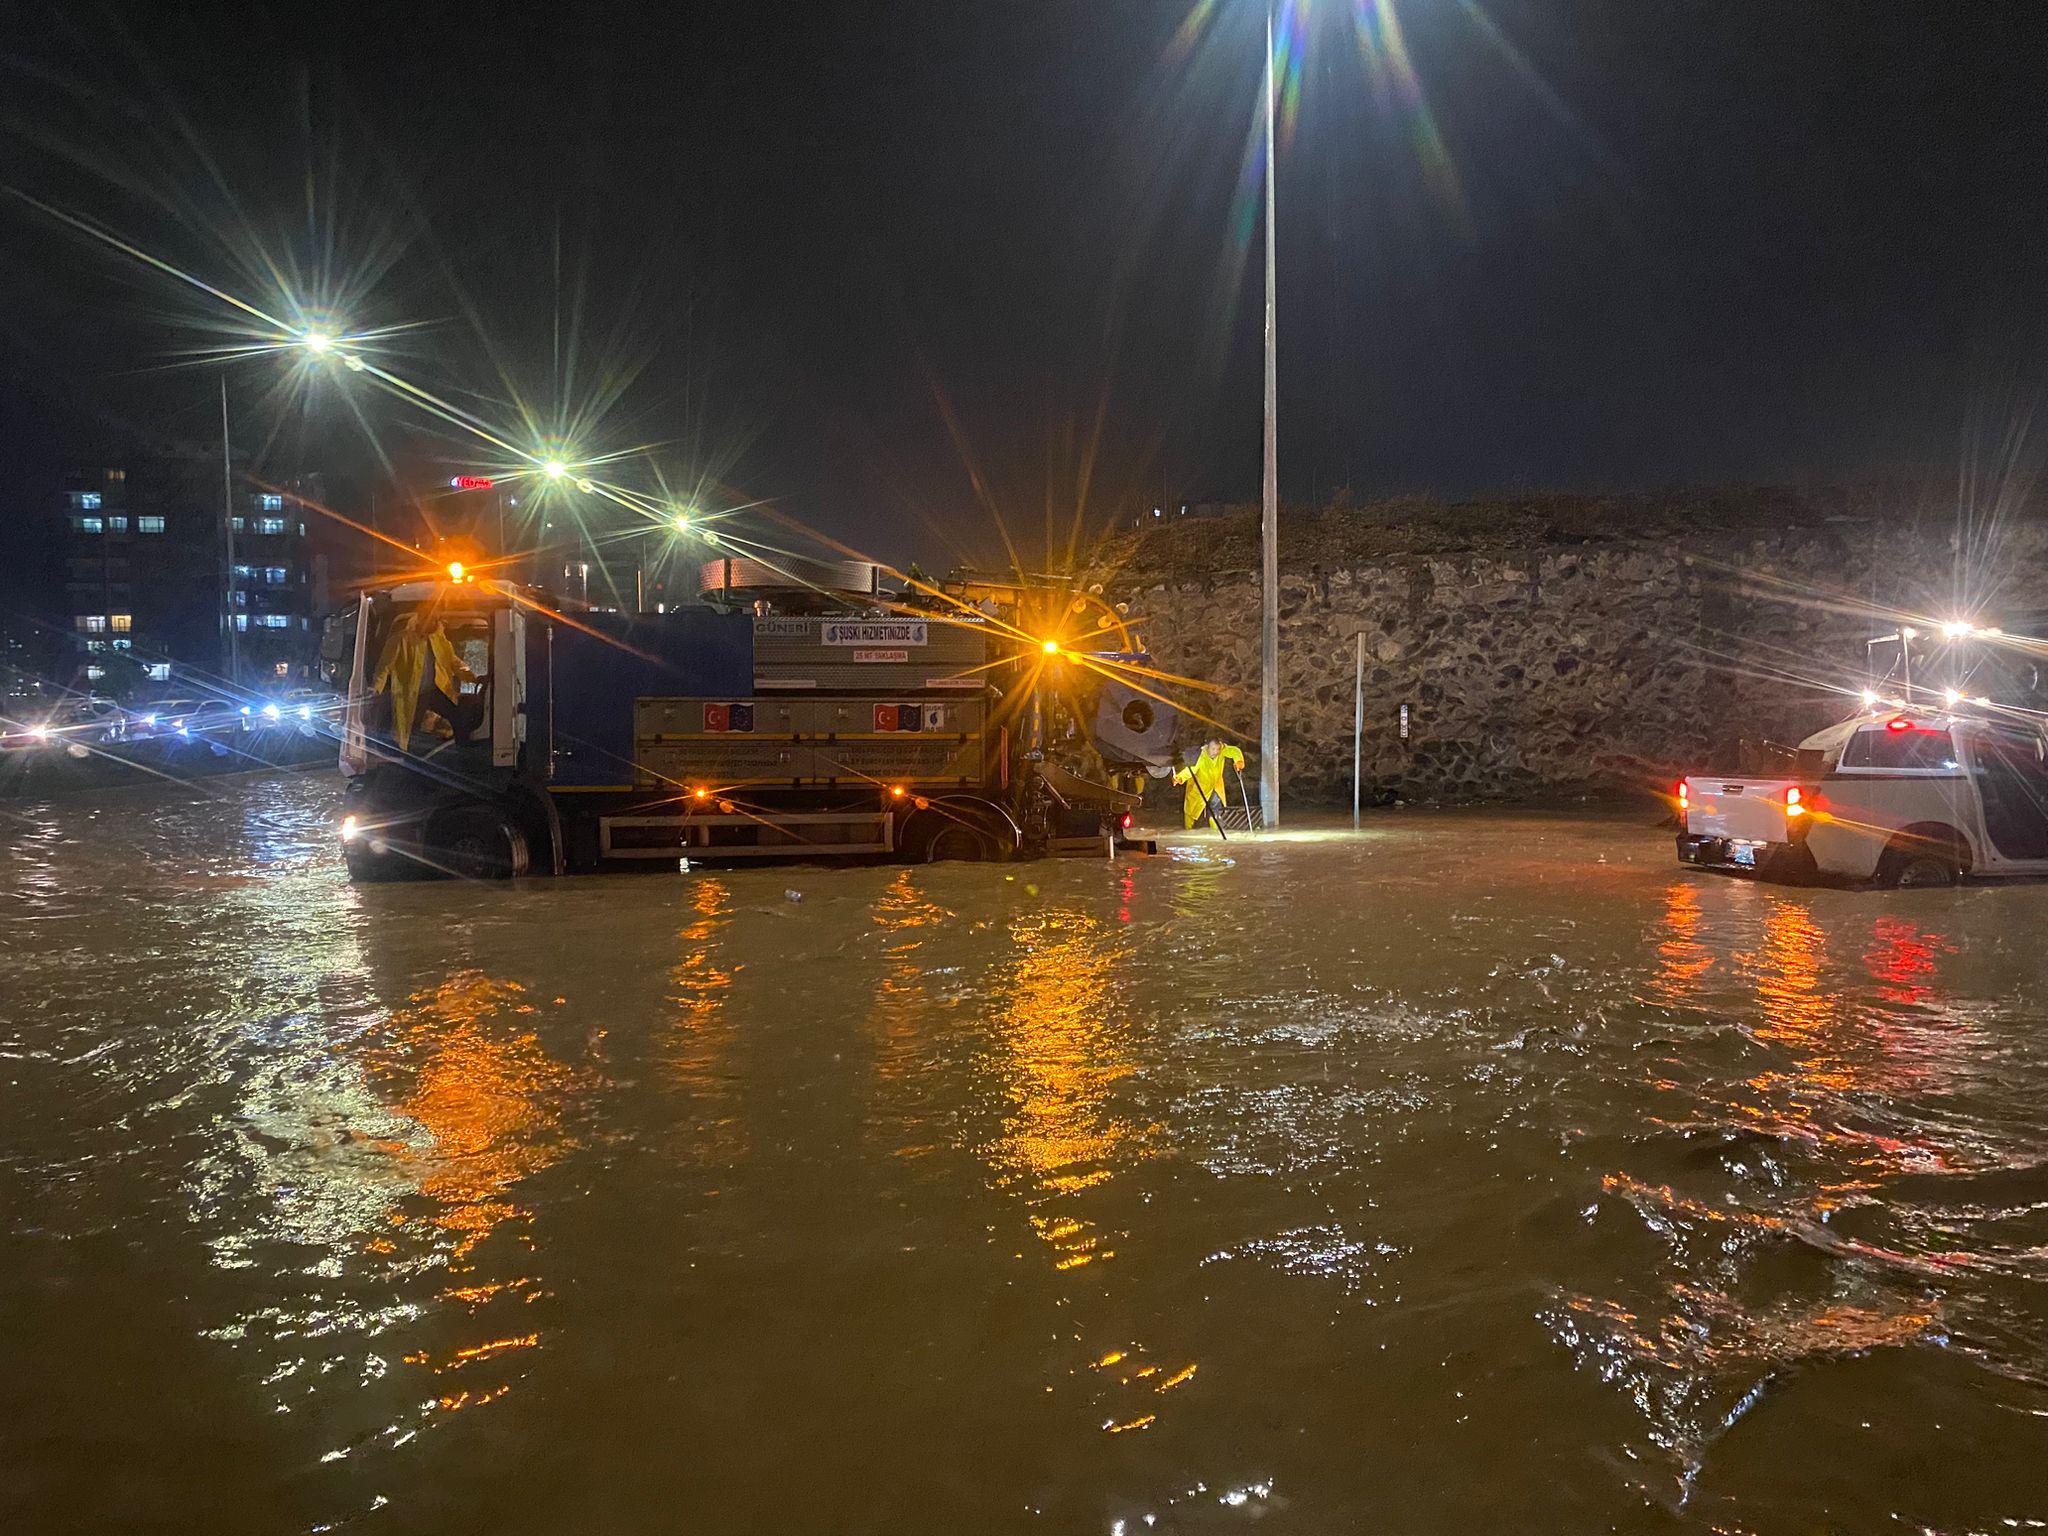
column 1124, row 822
column 1684, row 794
column 1898, row 723
column 1793, row 802
column 702, row 794
column 896, row 791
column 472, row 482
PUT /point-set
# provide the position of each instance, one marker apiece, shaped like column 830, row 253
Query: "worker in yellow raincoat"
column 425, row 675
column 1204, row 779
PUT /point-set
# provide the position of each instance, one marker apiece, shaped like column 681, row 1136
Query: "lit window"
column 87, row 524
column 121, row 623
column 237, row 523
column 117, row 525
column 149, row 525
column 241, row 598
column 270, row 503
column 159, row 671
column 95, row 645
column 92, row 623
column 95, row 672
column 241, row 621
column 244, row 572
column 302, row 530
column 86, row 501
column 277, row 575
column 284, row 669
column 270, row 524
column 124, row 645
column 273, row 620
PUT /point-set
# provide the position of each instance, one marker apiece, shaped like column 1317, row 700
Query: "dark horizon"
column 885, row 265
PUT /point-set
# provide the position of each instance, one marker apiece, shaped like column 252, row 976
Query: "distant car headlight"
column 270, row 711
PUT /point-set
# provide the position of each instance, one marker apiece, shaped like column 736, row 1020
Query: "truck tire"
column 1919, row 862
column 477, row 844
column 958, row 842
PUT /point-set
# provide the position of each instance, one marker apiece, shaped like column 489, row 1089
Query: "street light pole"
column 1269, row 639
column 227, row 528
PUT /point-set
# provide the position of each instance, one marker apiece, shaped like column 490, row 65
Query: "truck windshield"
column 429, row 675
column 1914, row 748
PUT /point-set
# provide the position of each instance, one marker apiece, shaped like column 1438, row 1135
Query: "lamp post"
column 233, row 647
column 1269, row 636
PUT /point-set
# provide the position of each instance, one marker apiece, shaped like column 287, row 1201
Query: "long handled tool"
column 1247, row 799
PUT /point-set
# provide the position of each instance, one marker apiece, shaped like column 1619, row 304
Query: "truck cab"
column 1896, row 796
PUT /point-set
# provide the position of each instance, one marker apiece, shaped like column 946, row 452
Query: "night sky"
column 857, row 257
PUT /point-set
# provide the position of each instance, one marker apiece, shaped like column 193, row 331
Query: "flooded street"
column 1479, row 1172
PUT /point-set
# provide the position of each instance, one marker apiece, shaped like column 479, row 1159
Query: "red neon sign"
column 472, row 482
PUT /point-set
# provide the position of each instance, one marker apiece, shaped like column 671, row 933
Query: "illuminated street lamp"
column 554, row 469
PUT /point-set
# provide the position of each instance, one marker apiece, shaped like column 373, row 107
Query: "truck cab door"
column 2012, row 781
column 508, row 687
column 355, row 690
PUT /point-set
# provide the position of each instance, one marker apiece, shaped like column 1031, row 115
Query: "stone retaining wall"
column 1559, row 667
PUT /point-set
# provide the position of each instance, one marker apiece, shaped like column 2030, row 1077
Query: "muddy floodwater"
column 1481, row 1172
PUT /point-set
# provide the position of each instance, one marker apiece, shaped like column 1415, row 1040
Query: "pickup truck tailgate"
column 1741, row 810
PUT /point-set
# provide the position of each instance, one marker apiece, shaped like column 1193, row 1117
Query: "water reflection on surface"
column 1476, row 1172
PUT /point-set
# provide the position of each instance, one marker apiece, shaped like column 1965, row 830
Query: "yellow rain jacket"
column 417, row 642
column 1204, row 779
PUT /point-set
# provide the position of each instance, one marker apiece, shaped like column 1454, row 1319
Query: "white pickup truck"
column 1901, row 797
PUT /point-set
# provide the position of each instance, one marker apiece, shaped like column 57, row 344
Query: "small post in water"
column 1358, row 733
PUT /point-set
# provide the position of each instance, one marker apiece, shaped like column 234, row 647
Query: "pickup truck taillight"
column 1801, row 807
column 1684, row 804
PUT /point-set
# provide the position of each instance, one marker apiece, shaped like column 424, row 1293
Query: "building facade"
column 157, row 587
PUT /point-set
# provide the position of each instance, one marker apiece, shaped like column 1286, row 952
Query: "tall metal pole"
column 227, row 529
column 1269, row 639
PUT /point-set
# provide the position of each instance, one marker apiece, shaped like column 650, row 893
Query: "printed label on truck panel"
column 872, row 632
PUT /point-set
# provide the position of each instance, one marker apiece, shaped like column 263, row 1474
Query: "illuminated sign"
column 472, row 482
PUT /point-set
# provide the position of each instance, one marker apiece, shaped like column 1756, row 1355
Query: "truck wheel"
column 956, row 842
column 1912, row 868
column 478, row 845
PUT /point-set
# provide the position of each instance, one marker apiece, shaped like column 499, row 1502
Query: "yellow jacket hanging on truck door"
column 1204, row 779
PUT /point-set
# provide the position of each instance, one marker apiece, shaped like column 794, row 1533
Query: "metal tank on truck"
column 799, row 711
